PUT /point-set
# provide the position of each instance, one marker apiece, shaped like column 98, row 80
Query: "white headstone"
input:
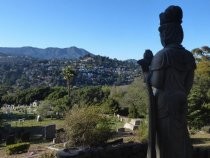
column 130, row 126
column 135, row 121
column 38, row 118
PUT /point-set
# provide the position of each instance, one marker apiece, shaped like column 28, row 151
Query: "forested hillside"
column 25, row 72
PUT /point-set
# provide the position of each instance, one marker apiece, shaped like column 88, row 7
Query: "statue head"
column 170, row 29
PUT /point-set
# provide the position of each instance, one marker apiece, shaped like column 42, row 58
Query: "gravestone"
column 38, row 119
column 133, row 124
column 130, row 126
column 49, row 131
column 10, row 139
column 25, row 137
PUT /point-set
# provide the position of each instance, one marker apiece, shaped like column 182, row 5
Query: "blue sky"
column 120, row 29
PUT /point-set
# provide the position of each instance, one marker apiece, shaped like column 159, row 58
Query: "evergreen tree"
column 69, row 75
column 199, row 97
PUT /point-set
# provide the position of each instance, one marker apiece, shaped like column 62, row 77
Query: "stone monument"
column 50, row 131
column 172, row 72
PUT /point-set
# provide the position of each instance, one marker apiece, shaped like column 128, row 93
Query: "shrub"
column 124, row 111
column 143, row 131
column 136, row 99
column 87, row 126
column 45, row 109
column 110, row 106
column 48, row 155
column 31, row 116
column 17, row 148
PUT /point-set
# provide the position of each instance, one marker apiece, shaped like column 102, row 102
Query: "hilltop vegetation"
column 199, row 98
column 26, row 72
column 111, row 99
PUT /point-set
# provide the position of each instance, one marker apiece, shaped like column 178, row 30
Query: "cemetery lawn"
column 115, row 124
column 28, row 123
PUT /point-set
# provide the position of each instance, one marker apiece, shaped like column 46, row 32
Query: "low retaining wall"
column 128, row 150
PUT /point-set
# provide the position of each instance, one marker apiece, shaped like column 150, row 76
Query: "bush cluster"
column 87, row 126
column 143, row 131
column 17, row 148
column 48, row 155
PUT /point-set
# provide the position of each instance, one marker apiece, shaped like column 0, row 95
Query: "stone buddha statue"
column 171, row 74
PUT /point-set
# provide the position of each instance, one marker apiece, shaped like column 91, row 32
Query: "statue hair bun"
column 172, row 14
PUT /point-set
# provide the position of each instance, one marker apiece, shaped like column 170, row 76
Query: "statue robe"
column 172, row 72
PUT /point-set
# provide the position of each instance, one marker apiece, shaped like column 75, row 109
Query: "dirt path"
column 35, row 151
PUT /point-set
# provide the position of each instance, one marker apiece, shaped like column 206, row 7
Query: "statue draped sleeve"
column 157, row 70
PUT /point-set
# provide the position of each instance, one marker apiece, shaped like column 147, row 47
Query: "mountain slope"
column 47, row 53
column 3, row 54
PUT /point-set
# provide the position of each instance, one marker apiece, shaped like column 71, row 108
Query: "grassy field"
column 59, row 123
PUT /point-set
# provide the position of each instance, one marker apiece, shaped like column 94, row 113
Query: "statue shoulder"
column 190, row 56
column 190, row 60
column 180, row 59
column 159, row 60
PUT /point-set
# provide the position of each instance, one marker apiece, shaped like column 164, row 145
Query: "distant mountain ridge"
column 47, row 53
column 2, row 54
